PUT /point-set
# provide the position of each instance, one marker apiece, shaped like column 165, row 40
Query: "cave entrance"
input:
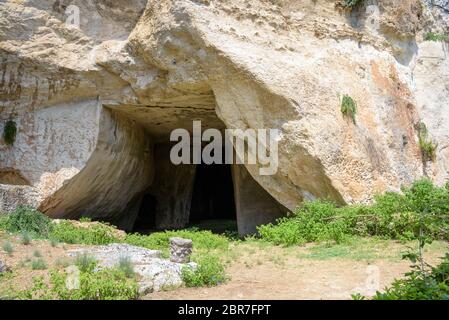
column 213, row 206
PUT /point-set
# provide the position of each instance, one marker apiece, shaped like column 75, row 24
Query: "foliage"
column 160, row 240
column 38, row 264
column 436, row 37
column 348, row 4
column 29, row 220
column 8, row 247
column 348, row 107
column 25, row 238
column 210, row 272
column 419, row 285
column 392, row 216
column 85, row 262
column 10, row 132
column 428, row 147
column 94, row 234
column 126, row 266
column 105, row 284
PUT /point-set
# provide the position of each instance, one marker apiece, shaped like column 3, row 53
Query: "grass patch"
column 8, row 248
column 106, row 284
column 160, row 240
column 25, row 238
column 38, row 264
column 126, row 266
column 85, row 262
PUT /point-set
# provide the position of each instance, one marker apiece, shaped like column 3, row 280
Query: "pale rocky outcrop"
column 90, row 103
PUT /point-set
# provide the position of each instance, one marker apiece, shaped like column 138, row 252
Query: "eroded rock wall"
column 259, row 64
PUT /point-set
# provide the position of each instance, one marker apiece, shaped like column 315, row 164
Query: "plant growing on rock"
column 348, row 107
column 436, row 37
column 126, row 266
column 10, row 132
column 428, row 147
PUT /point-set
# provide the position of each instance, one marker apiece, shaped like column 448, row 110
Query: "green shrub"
column 95, row 234
column 106, row 284
column 392, row 216
column 126, row 266
column 428, row 147
column 8, row 247
column 160, row 240
column 27, row 219
column 38, row 264
column 85, row 262
column 436, row 37
column 210, row 272
column 348, row 107
column 25, row 238
column 10, row 132
column 37, row 253
column 420, row 286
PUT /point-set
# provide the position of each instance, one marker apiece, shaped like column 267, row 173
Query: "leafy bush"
column 436, row 37
column 38, row 264
column 420, row 286
column 348, row 107
column 210, row 272
column 392, row 216
column 160, row 240
column 27, row 219
column 25, row 238
column 126, row 266
column 10, row 132
column 428, row 147
column 85, row 262
column 106, row 284
column 8, row 247
column 95, row 234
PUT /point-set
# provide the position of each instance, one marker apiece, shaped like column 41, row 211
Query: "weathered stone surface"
column 90, row 102
column 254, row 205
column 180, row 250
column 155, row 273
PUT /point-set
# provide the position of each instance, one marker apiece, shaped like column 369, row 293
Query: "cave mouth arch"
column 185, row 195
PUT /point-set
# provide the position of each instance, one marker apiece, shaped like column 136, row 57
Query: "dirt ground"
column 259, row 271
column 294, row 275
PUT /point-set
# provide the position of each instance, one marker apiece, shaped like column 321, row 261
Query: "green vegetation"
column 126, row 266
column 10, row 132
column 210, row 272
column 348, row 107
column 419, row 285
column 392, row 216
column 436, row 37
column 428, row 147
column 26, row 219
column 8, row 247
column 105, row 284
column 95, row 234
column 85, row 262
column 159, row 240
column 25, row 238
column 38, row 264
column 349, row 4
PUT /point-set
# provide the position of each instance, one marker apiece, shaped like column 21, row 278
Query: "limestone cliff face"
column 90, row 102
